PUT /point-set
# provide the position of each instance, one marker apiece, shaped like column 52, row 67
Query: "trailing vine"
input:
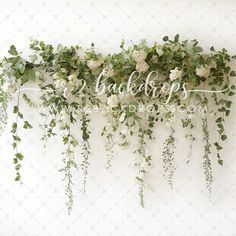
column 168, row 158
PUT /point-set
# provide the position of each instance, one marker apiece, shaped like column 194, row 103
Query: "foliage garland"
column 67, row 76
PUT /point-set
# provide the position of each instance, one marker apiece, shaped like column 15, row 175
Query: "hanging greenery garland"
column 136, row 89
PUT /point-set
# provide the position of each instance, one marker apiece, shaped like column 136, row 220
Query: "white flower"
column 175, row 74
column 122, row 117
column 94, row 64
column 203, row 71
column 142, row 67
column 109, row 71
column 159, row 51
column 139, row 55
column 60, row 84
column 74, row 82
column 80, row 53
column 62, row 115
column 9, row 87
column 126, row 97
column 112, row 101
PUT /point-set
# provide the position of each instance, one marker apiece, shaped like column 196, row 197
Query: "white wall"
column 110, row 206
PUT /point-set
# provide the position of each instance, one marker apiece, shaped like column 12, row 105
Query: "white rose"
column 139, row 55
column 112, row 101
column 175, row 74
column 94, row 64
column 142, row 67
column 203, row 71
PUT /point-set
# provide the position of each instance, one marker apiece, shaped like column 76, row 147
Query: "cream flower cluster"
column 139, row 56
column 203, row 71
column 94, row 64
column 175, row 74
column 62, row 85
column 9, row 86
column 109, row 71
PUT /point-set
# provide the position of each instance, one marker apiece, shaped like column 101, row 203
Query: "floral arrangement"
column 135, row 89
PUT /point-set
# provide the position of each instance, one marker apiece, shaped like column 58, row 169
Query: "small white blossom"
column 94, row 64
column 9, row 85
column 109, row 71
column 175, row 74
column 80, row 53
column 139, row 55
column 60, row 84
column 203, row 71
column 159, row 51
column 112, row 101
column 9, row 88
column 142, row 67
column 62, row 115
column 74, row 82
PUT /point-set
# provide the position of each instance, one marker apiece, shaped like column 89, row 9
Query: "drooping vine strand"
column 168, row 158
column 86, row 149
column 70, row 164
column 206, row 157
column 3, row 111
column 16, row 139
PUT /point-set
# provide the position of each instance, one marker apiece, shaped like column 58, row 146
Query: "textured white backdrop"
column 110, row 206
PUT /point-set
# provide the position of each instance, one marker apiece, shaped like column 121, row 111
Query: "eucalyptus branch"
column 207, row 151
column 86, row 149
column 70, row 164
column 143, row 161
column 168, row 159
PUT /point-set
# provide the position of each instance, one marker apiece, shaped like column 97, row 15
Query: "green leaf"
column 176, row 39
column 17, row 177
column 27, row 125
column 218, row 120
column 220, row 162
column 223, row 137
column 212, row 49
column 15, row 109
column 197, row 49
column 13, row 51
column 232, row 73
column 166, row 38
column 19, row 156
column 18, row 166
